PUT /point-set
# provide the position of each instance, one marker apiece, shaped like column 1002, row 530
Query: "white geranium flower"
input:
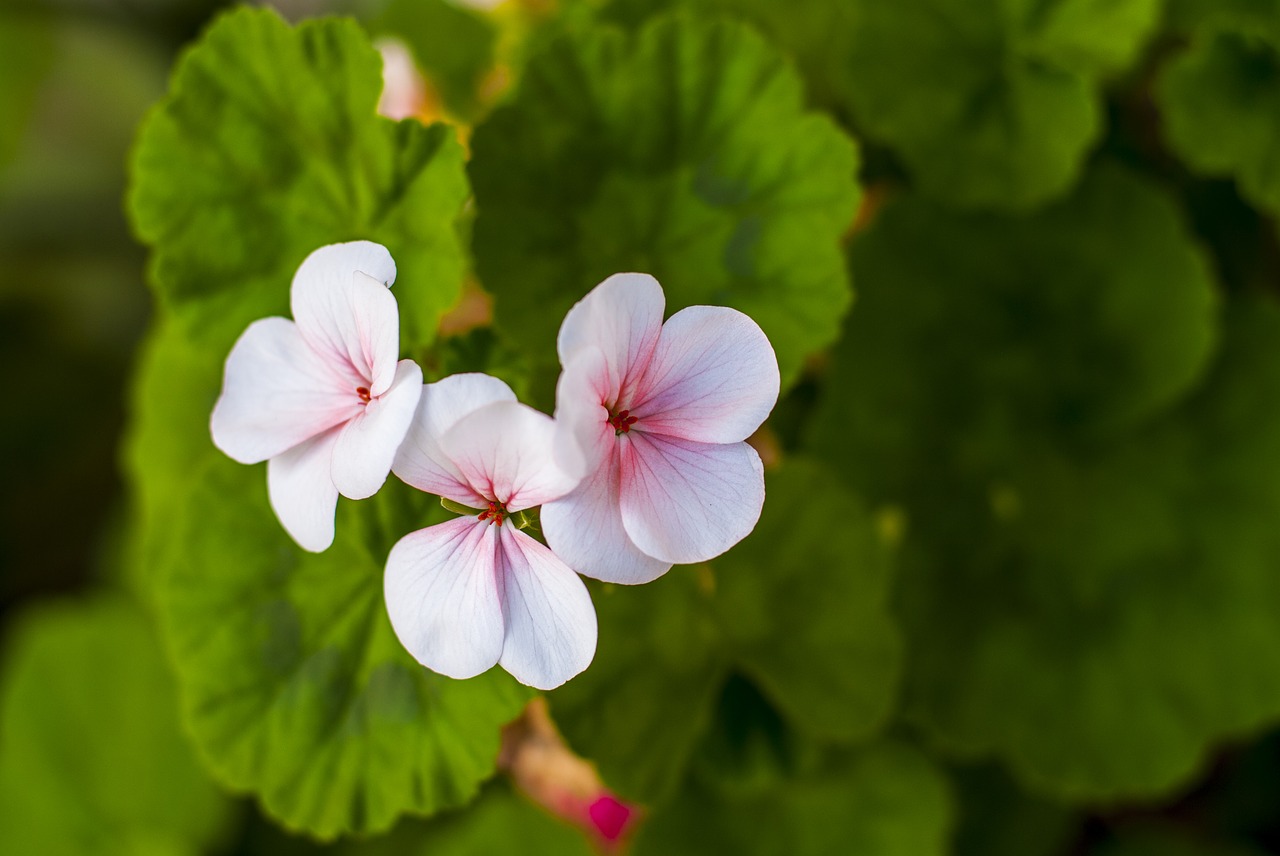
column 476, row 591
column 321, row 398
column 661, row 413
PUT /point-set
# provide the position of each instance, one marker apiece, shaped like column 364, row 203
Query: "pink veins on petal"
column 660, row 413
column 471, row 593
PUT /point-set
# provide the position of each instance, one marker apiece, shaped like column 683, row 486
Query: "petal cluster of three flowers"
column 645, row 465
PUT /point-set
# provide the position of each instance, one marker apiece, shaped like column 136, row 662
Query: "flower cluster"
column 645, row 464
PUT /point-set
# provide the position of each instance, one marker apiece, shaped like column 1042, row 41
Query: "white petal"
column 581, row 417
column 441, row 587
column 504, row 451
column 343, row 307
column 550, row 620
column 585, row 528
column 684, row 501
column 621, row 316
column 369, row 442
column 420, row 461
column 276, row 393
column 713, row 377
column 302, row 492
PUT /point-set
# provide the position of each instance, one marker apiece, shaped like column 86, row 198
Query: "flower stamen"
column 362, row 392
column 622, row 422
column 495, row 513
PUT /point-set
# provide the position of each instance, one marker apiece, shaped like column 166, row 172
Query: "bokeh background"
column 1035, row 467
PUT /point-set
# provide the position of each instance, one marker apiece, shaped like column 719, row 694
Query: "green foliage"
column 884, row 799
column 25, row 47
column 799, row 578
column 1170, row 841
column 266, row 148
column 500, row 820
column 1099, row 572
column 999, row 819
column 1025, row 511
column 990, row 104
column 1220, row 100
column 92, row 760
column 682, row 151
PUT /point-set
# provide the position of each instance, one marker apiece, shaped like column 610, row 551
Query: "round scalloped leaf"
column 683, row 151
column 92, row 759
column 885, row 799
column 268, row 147
column 1069, row 600
column 294, row 684
column 1220, row 101
column 798, row 607
column 990, row 104
column 1085, row 317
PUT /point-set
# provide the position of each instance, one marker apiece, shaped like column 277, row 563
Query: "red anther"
column 496, row 514
column 363, row 393
column 622, row 421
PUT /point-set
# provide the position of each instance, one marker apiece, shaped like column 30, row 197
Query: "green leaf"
column 1086, row 317
column 640, row 708
column 1256, row 17
column 1220, row 101
column 683, row 151
column 885, row 799
column 1157, row 840
column 802, row 602
column 798, row 607
column 990, row 104
column 294, row 684
column 1069, row 598
column 500, row 821
column 26, row 51
column 268, row 147
column 998, row 819
column 92, row 759
column 452, row 45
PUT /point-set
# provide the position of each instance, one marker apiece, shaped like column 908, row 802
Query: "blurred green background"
column 1017, row 587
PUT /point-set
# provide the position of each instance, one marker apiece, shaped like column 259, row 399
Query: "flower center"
column 495, row 513
column 362, row 392
column 621, row 421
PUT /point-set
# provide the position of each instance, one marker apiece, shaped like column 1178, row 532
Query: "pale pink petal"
column 302, row 492
column 441, row 588
column 622, row 317
column 345, row 310
column 504, row 451
column 713, row 377
column 581, row 417
column 550, row 620
column 276, row 393
column 684, row 501
column 368, row 444
column 585, row 528
column 420, row 461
